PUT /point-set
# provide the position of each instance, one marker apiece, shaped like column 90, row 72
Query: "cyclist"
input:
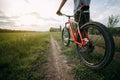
column 81, row 7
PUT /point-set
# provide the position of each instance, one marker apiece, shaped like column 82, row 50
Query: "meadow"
column 81, row 72
column 23, row 55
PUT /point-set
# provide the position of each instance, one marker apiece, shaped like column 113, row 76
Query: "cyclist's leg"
column 84, row 15
column 78, row 8
column 84, row 12
column 84, row 18
column 77, row 4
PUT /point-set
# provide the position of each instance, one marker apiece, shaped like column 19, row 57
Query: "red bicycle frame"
column 74, row 35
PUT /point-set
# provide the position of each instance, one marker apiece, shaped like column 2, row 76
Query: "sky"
column 40, row 15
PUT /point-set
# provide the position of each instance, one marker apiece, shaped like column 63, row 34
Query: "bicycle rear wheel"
column 65, row 36
column 99, row 50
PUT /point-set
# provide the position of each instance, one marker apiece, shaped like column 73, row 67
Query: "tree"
column 113, row 20
column 51, row 29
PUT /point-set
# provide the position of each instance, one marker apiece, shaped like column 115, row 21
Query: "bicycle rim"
column 65, row 36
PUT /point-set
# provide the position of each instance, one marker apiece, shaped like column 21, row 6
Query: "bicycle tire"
column 65, row 30
column 109, row 46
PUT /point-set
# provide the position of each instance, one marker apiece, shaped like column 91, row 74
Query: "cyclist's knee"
column 84, row 8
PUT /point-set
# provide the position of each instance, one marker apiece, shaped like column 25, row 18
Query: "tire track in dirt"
column 57, row 64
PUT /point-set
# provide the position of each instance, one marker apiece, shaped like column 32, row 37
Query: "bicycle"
column 94, row 43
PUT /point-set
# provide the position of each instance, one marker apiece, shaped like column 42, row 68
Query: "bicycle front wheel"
column 99, row 50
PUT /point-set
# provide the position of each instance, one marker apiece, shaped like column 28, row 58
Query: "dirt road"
column 57, row 63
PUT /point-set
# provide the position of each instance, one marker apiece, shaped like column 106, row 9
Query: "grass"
column 81, row 72
column 117, row 43
column 23, row 55
column 99, row 41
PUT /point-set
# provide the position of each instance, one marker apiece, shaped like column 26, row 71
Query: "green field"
column 23, row 55
column 81, row 72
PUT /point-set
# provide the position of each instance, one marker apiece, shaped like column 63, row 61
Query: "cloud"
column 39, row 23
column 27, row 1
column 40, row 14
column 37, row 15
column 5, row 21
column 101, row 10
column 30, row 12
